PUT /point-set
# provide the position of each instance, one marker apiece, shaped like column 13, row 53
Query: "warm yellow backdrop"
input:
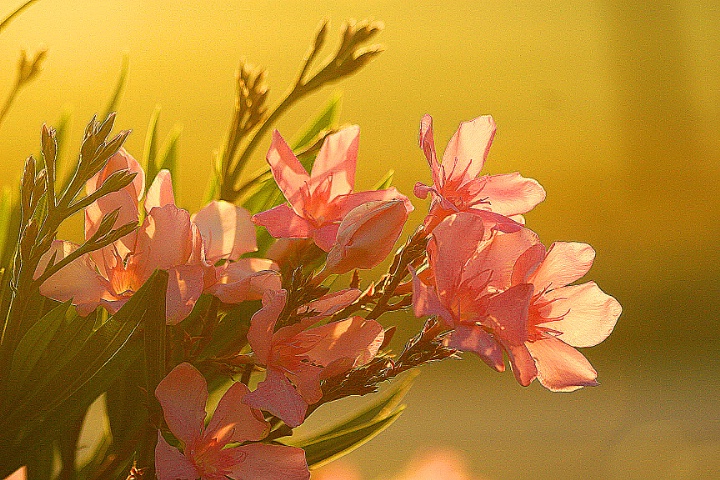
column 613, row 106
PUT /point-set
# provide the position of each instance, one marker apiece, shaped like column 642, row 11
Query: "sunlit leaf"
column 325, row 120
column 119, row 87
column 149, row 161
column 385, row 181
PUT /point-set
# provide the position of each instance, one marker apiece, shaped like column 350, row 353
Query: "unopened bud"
column 367, row 235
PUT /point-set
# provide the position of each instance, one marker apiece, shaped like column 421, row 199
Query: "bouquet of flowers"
column 267, row 298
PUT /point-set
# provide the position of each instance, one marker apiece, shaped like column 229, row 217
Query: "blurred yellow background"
column 613, row 106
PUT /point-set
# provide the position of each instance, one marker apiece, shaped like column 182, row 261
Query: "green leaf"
column 149, row 162
column 212, row 190
column 91, row 368
column 119, row 87
column 63, row 170
column 168, row 157
column 33, row 344
column 385, row 181
column 6, row 211
column 230, row 335
column 328, row 448
column 361, row 427
column 325, row 120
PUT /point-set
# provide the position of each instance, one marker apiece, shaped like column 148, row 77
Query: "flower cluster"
column 486, row 282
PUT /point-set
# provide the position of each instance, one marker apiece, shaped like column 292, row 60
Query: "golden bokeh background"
column 614, row 106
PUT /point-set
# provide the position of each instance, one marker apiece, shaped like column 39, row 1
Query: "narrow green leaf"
column 33, row 344
column 149, row 162
column 63, row 168
column 212, row 190
column 119, row 87
column 326, row 449
column 154, row 341
column 6, row 205
column 325, row 120
column 169, row 155
column 231, row 333
column 385, row 181
column 93, row 364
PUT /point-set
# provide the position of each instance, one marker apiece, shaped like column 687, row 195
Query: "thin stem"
column 15, row 13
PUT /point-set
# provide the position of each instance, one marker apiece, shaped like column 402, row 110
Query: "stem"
column 15, row 13
column 9, row 101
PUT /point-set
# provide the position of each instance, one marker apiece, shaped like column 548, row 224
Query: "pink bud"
column 367, row 235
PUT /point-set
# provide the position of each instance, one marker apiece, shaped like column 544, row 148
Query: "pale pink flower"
column 318, row 202
column 298, row 358
column 19, row 474
column 504, row 292
column 166, row 240
column 206, row 453
column 457, row 187
column 228, row 233
column 367, row 235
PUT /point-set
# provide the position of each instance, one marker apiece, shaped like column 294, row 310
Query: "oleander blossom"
column 210, row 453
column 499, row 200
column 168, row 239
column 298, row 356
column 503, row 292
column 318, row 202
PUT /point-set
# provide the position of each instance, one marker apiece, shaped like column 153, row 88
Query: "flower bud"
column 367, row 235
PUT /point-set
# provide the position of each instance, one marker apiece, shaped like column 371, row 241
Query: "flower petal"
column 226, row 229
column 565, row 262
column 337, row 159
column 78, row 280
column 354, row 338
column 182, row 395
column 171, row 464
column 160, row 192
column 287, row 170
column 233, row 421
column 588, row 314
column 261, row 461
column 329, row 304
column 474, row 339
column 467, row 150
column 352, row 200
column 561, row 368
column 427, row 143
column 278, row 396
column 246, row 279
column 283, row 222
column 121, row 160
column 511, row 194
column 165, row 240
column 262, row 324
column 185, row 285
column 499, row 253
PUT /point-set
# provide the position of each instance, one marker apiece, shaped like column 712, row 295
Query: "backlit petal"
column 233, row 421
column 337, row 158
column 289, row 173
column 468, row 148
column 277, row 395
column 283, row 222
column 512, row 194
column 171, row 464
column 185, row 285
column 226, row 229
column 182, row 395
column 561, row 368
column 160, row 192
column 269, row 462
column 262, row 324
column 565, row 262
column 476, row 340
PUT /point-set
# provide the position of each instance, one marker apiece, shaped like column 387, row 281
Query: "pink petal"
column 121, row 160
column 508, row 314
column 171, row 464
column 527, row 263
column 329, row 304
column 277, row 395
column 246, row 279
column 326, row 236
column 127, row 207
column 165, row 240
column 499, row 253
column 19, row 474
column 337, row 159
column 467, row 150
column 352, row 200
column 226, row 229
column 522, row 363
column 283, row 222
column 565, row 262
column 511, row 194
column 306, row 378
column 453, row 242
column 268, row 462
column 78, row 280
column 588, row 314
column 476, row 340
column 262, row 324
column 354, row 338
column 233, row 421
column 289, row 173
column 183, row 394
column 185, row 285
column 426, row 301
column 427, row 143
column 160, row 192
column 561, row 368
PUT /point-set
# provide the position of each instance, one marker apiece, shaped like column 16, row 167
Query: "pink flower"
column 457, row 187
column 166, row 240
column 317, row 202
column 228, row 233
column 298, row 358
column 19, row 474
column 504, row 292
column 367, row 235
column 205, row 453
